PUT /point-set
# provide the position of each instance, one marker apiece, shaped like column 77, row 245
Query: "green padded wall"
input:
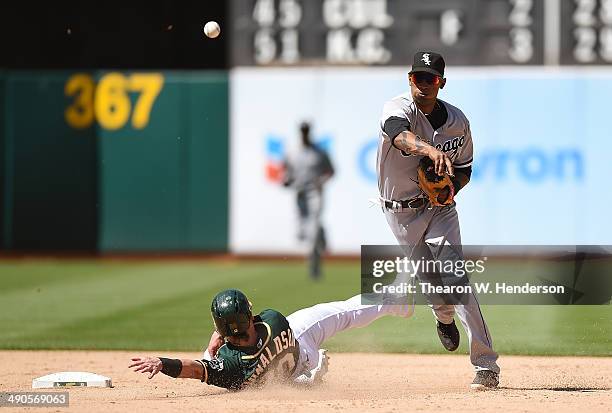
column 160, row 186
column 50, row 185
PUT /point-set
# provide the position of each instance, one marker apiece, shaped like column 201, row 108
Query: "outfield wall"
column 539, row 136
column 140, row 161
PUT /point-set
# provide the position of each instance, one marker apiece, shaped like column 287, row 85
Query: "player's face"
column 244, row 340
column 424, row 86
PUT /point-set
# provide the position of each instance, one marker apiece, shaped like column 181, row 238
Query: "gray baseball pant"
column 310, row 208
column 440, row 225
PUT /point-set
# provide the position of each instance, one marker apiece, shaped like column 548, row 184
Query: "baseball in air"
column 212, row 29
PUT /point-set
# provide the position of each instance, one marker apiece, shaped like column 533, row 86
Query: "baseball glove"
column 439, row 189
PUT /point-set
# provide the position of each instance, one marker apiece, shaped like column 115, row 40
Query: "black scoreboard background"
column 388, row 32
column 77, row 34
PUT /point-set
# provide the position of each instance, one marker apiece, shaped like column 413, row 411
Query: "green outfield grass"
column 164, row 305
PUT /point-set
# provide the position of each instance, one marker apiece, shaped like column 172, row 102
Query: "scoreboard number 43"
column 109, row 101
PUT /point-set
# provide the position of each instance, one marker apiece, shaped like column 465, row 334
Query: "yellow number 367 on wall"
column 109, row 103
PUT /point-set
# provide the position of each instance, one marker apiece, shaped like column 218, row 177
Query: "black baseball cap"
column 430, row 62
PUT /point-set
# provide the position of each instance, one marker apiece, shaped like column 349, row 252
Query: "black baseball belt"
column 413, row 203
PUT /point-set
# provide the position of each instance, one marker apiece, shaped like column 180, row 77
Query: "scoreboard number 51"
column 109, row 102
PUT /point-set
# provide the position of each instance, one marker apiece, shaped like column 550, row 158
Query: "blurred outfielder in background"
column 306, row 171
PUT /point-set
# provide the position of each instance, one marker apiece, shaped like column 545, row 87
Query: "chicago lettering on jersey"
column 451, row 144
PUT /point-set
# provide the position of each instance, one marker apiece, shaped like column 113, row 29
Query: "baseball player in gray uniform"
column 306, row 171
column 415, row 125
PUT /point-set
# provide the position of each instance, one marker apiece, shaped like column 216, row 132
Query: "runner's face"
column 245, row 339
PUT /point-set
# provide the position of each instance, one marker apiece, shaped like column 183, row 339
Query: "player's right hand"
column 442, row 162
column 151, row 365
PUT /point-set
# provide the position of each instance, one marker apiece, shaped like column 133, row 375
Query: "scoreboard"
column 388, row 32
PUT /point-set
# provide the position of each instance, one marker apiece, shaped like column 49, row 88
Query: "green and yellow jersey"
column 275, row 354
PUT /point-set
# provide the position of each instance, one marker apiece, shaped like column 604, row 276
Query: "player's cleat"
column 315, row 376
column 322, row 366
column 485, row 380
column 449, row 335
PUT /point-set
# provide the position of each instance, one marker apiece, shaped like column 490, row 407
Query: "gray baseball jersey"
column 397, row 170
column 306, row 167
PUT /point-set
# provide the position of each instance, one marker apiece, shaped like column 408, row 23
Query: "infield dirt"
column 355, row 382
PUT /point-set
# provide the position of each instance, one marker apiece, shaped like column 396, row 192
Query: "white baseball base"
column 71, row 379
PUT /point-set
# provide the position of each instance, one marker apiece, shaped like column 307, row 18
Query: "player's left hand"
column 439, row 189
column 444, row 194
column 151, row 365
column 216, row 341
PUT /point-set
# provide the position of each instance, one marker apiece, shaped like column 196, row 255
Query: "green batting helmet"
column 231, row 312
